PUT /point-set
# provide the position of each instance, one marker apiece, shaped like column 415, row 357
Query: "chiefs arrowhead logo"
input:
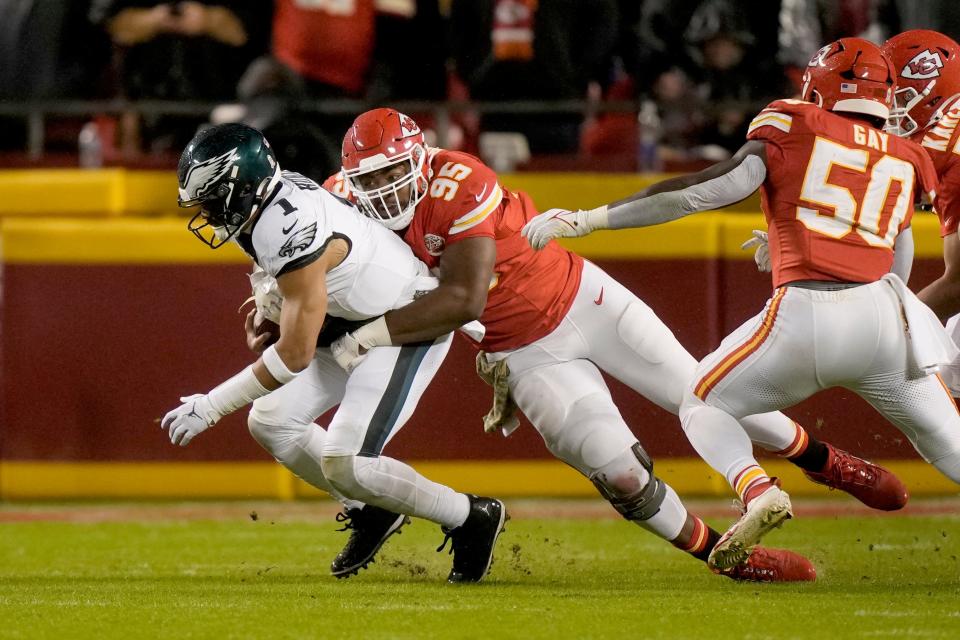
column 407, row 126
column 818, row 58
column 923, row 66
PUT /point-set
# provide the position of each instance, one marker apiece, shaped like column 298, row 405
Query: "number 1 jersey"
column 837, row 192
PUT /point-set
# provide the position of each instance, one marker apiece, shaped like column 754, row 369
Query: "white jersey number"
column 448, row 181
column 847, row 215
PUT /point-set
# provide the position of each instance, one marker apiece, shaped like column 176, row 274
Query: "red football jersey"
column 531, row 291
column 942, row 142
column 837, row 192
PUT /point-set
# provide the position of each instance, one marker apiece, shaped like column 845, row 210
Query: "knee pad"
column 628, row 483
column 275, row 438
column 350, row 475
column 590, row 434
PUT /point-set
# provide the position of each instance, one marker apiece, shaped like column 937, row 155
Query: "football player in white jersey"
column 328, row 262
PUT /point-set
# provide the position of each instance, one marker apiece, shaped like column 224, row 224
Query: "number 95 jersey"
column 837, row 192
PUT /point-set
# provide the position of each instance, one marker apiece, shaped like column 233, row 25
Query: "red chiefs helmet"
column 379, row 139
column 851, row 75
column 928, row 68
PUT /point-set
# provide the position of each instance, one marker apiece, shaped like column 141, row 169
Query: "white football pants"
column 556, row 382
column 807, row 340
column 951, row 373
column 375, row 402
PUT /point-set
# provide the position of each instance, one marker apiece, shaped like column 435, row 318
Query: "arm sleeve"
column 903, row 254
column 733, row 186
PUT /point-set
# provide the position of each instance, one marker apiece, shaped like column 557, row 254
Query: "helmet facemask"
column 387, row 204
column 223, row 213
column 901, row 123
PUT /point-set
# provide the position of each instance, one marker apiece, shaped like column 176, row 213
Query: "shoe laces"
column 347, row 521
column 448, row 535
column 848, row 468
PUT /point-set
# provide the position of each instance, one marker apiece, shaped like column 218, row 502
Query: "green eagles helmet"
column 227, row 171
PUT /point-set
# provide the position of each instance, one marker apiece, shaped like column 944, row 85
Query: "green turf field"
column 156, row 571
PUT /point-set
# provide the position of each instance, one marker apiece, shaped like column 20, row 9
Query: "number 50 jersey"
column 837, row 192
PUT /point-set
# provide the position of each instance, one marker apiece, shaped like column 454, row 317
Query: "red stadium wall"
column 103, row 325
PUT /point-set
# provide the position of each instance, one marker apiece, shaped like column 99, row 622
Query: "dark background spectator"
column 195, row 50
column 699, row 68
column 524, row 50
column 374, row 50
column 48, row 49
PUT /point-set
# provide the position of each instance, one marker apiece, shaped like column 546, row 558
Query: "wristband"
column 597, row 218
column 237, row 392
column 274, row 364
column 374, row 334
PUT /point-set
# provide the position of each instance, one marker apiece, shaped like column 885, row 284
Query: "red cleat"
column 871, row 484
column 772, row 565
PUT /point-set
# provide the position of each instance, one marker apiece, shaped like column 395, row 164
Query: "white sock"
column 393, row 485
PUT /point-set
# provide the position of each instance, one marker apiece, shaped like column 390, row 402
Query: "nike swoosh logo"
column 480, row 197
column 599, row 299
column 290, row 228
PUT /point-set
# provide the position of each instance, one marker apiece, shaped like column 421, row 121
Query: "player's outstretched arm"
column 301, row 318
column 466, row 270
column 943, row 294
column 903, row 254
column 713, row 188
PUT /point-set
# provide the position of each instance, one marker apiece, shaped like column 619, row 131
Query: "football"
column 271, row 327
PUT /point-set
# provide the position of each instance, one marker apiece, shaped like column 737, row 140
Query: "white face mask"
column 901, row 123
column 385, row 204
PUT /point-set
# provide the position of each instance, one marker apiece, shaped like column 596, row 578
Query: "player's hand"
column 762, row 255
column 256, row 342
column 347, row 352
column 194, row 416
column 556, row 223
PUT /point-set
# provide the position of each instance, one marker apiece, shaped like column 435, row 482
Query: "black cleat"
column 371, row 526
column 472, row 542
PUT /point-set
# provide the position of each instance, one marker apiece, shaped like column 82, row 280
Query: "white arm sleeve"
column 733, row 186
column 903, row 254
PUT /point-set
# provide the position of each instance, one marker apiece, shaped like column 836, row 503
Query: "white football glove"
column 194, row 416
column 346, row 351
column 762, row 255
column 556, row 223
column 266, row 296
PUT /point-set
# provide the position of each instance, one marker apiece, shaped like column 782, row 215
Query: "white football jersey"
column 380, row 272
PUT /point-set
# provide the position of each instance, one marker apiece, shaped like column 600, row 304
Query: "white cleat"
column 766, row 512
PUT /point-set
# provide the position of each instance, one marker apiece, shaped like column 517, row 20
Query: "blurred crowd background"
column 614, row 85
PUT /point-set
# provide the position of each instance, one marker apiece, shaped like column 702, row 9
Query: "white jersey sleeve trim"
column 478, row 214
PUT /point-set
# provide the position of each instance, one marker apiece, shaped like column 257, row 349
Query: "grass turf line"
column 879, row 577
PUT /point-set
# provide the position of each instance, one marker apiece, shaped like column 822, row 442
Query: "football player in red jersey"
column 927, row 110
column 553, row 321
column 837, row 193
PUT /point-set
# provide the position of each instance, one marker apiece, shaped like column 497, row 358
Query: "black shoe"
column 474, row 540
column 371, row 526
